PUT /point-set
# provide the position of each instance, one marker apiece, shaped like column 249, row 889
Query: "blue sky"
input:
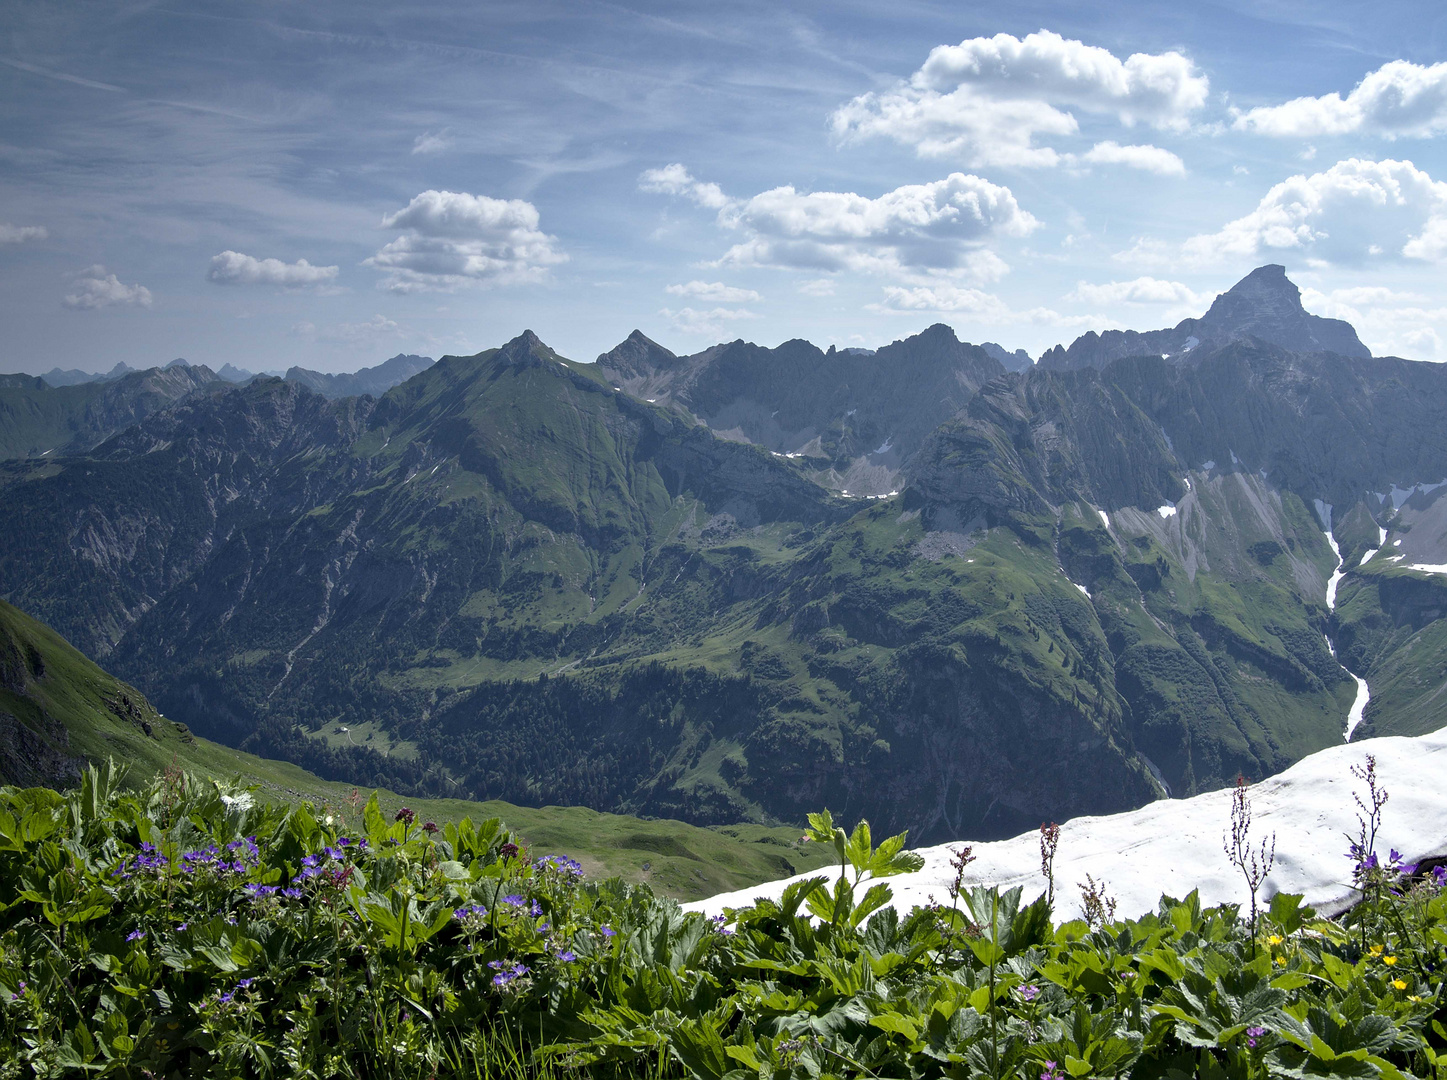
column 330, row 183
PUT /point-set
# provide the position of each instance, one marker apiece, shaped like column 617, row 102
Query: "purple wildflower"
column 226, row 998
column 508, row 850
column 506, row 972
column 1439, row 875
column 535, row 909
column 513, row 900
column 607, row 931
column 136, row 935
column 1029, row 993
column 1252, row 1034
column 244, row 983
column 1051, row 1072
column 567, row 956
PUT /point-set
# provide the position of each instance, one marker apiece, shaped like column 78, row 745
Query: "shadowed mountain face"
column 1264, row 305
column 37, row 418
column 514, row 576
column 852, row 417
column 373, row 380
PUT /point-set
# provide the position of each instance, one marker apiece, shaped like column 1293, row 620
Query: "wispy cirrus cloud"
column 711, row 323
column 715, row 291
column 981, row 307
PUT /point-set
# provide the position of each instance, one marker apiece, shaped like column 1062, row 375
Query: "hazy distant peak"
column 373, row 380
column 1019, row 360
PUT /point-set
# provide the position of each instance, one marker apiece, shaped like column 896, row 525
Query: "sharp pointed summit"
column 1265, row 304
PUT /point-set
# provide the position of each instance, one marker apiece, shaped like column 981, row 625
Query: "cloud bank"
column 936, row 228
column 1354, row 211
column 1399, row 99
column 987, row 100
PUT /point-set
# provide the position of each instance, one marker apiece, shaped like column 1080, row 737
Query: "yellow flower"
column 1389, row 960
column 1398, row 984
column 1415, row 997
column 1274, row 939
column 1281, row 960
column 1376, row 950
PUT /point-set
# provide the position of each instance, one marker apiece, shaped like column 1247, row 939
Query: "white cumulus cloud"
column 1142, row 290
column 709, row 323
column 18, row 234
column 676, row 180
column 816, row 287
column 454, row 239
column 1356, row 210
column 234, row 268
column 95, row 288
column 1398, row 99
column 1390, row 322
column 1148, row 158
column 713, row 291
column 987, row 100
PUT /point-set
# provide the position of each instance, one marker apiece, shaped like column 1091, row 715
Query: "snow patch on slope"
column 1173, row 846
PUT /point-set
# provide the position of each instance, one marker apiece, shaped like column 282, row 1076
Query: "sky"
column 331, row 183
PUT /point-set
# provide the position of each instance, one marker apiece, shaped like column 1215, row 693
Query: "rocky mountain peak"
column 526, row 348
column 636, row 356
column 1265, row 304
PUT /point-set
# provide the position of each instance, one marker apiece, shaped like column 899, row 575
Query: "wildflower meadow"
column 191, row 930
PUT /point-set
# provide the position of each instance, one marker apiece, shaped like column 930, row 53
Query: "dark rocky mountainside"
column 1264, row 305
column 852, row 417
column 514, row 576
column 373, row 380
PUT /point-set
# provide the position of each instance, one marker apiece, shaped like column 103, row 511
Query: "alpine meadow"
column 1029, row 663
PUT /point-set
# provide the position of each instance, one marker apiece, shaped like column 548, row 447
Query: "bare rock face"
column 1265, row 305
column 854, row 415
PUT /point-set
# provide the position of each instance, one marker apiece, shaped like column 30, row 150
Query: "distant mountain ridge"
column 373, row 380
column 852, row 416
column 1264, row 304
column 39, row 416
column 1083, row 588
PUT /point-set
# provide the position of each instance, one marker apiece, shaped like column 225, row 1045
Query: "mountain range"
column 909, row 584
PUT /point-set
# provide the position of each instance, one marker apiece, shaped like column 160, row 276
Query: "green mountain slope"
column 59, row 711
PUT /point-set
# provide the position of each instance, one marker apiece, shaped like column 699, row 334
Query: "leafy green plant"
column 190, row 929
